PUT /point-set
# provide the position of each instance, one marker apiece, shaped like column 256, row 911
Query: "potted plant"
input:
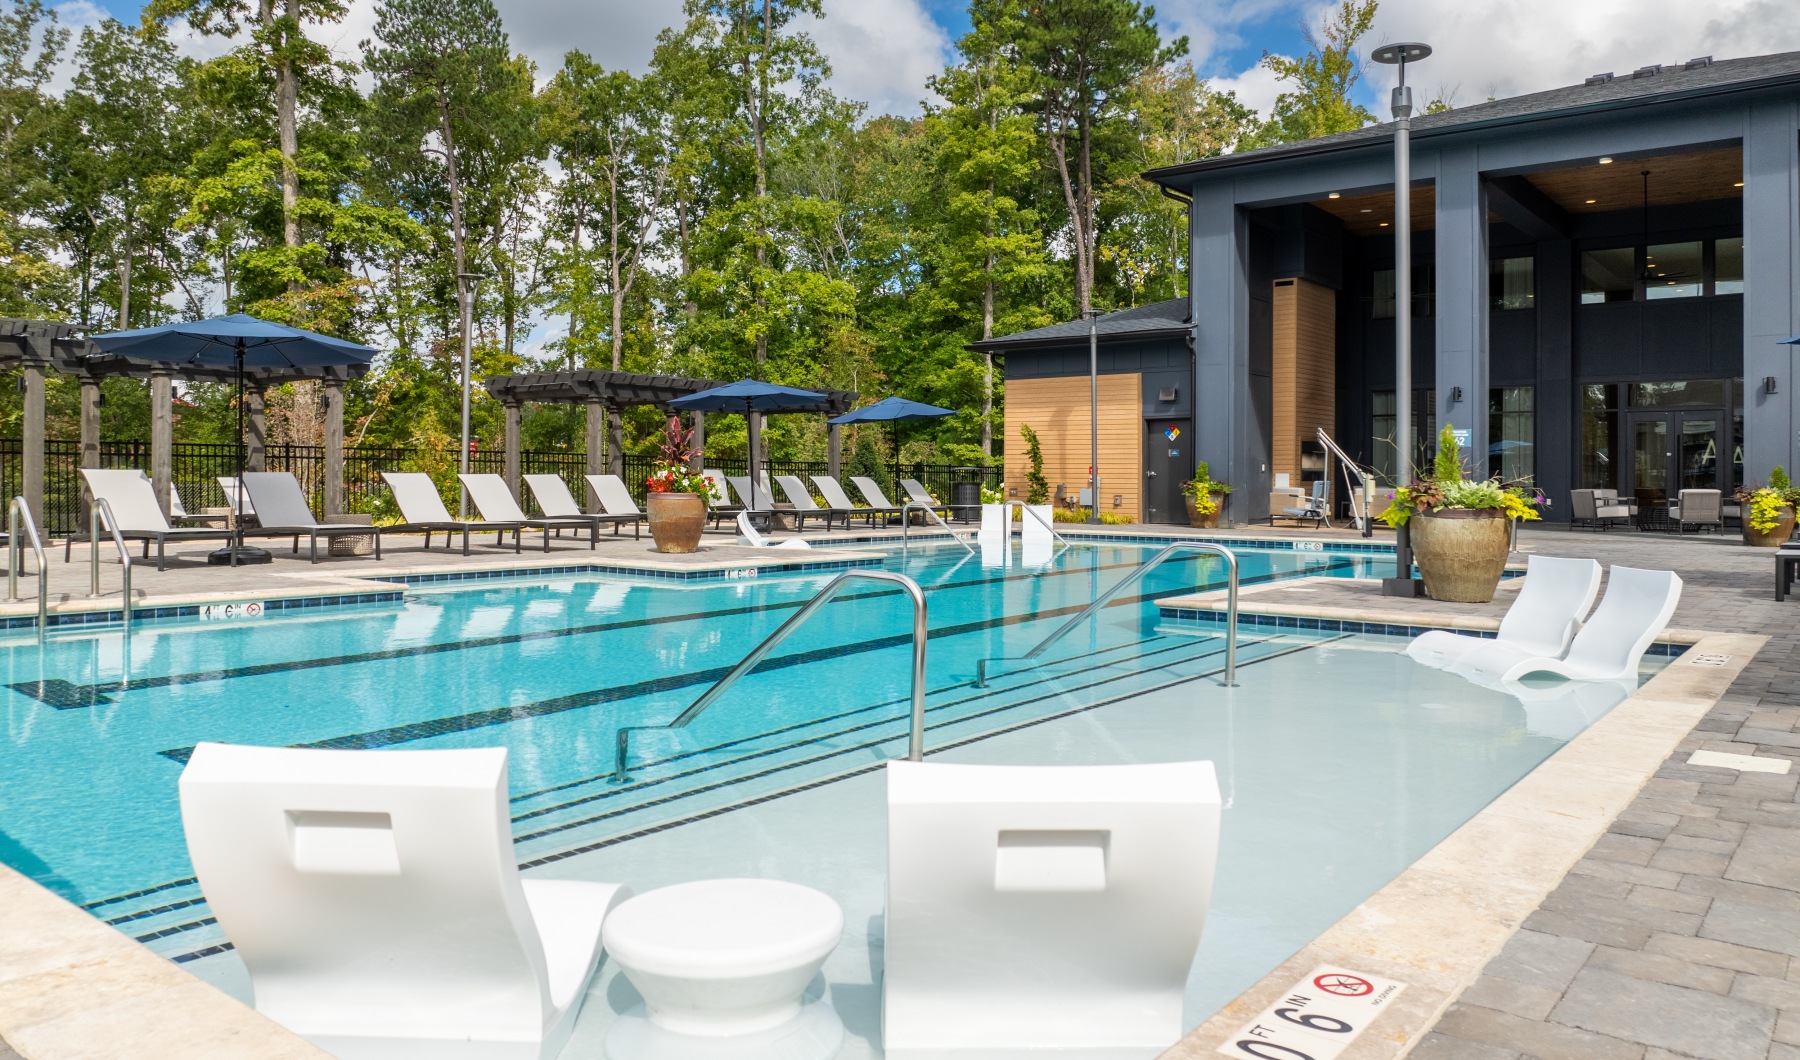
column 1769, row 510
column 1460, row 527
column 676, row 506
column 1205, row 498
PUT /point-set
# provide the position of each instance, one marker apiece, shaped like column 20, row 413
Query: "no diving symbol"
column 1344, row 985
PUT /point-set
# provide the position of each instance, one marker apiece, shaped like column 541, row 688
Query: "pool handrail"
column 99, row 510
column 1137, row 573
column 1366, row 477
column 15, row 511
column 906, row 511
column 1028, row 510
column 916, row 737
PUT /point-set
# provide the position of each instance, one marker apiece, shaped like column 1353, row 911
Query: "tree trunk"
column 125, row 278
column 287, row 95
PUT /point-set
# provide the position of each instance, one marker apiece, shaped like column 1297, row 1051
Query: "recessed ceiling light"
column 1384, row 224
column 1367, row 210
column 1592, row 201
column 1739, row 184
column 1607, row 161
column 1333, row 195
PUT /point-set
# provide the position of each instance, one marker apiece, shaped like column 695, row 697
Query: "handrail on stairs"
column 102, row 511
column 906, row 511
column 16, row 511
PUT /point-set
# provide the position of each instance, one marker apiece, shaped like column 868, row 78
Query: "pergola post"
column 162, row 437
column 596, row 431
column 256, row 427
column 615, row 442
column 333, row 397
column 753, row 422
column 90, row 433
column 33, row 477
column 697, row 445
column 834, row 448
column 512, row 447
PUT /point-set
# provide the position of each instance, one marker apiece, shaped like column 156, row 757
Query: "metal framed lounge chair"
column 836, row 497
column 423, row 509
column 1636, row 608
column 240, row 506
column 747, row 535
column 918, row 494
column 556, row 502
column 284, row 513
column 137, row 516
column 1543, row 619
column 1010, row 887
column 1599, row 509
column 615, row 500
column 377, row 904
column 494, row 500
column 871, row 491
column 178, row 512
column 718, row 501
column 1315, row 510
column 802, row 499
column 764, row 497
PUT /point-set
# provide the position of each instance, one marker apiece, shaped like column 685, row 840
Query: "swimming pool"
column 1342, row 761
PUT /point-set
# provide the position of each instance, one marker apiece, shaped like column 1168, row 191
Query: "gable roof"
column 1145, row 321
column 1643, row 87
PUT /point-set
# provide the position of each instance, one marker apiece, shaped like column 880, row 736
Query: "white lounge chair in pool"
column 495, row 502
column 423, row 509
column 375, row 899
column 1052, row 908
column 747, row 535
column 836, row 497
column 282, row 512
column 556, row 502
column 802, row 499
column 136, row 514
column 1635, row 610
column 1543, row 619
column 1037, row 542
column 995, row 535
column 615, row 500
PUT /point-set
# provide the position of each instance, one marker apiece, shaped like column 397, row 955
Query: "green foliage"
column 1201, row 487
column 1447, row 466
column 1037, row 487
column 1778, row 479
column 867, row 459
column 1319, row 103
column 1080, row 515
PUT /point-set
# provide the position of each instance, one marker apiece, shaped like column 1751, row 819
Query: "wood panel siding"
column 1057, row 409
column 1305, row 370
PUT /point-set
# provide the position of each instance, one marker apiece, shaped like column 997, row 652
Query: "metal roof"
column 616, row 389
column 1645, row 86
column 1166, row 318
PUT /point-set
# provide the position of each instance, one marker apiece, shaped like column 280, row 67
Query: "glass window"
column 1424, row 439
column 1728, row 265
column 1424, row 290
column 1510, row 283
column 1511, row 433
column 1382, row 305
column 1599, row 430
column 1608, row 275
column 1673, row 270
column 1709, row 392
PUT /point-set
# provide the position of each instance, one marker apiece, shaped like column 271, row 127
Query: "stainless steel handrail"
column 1028, row 510
column 1231, row 608
column 14, row 512
column 916, row 746
column 1367, row 480
column 906, row 511
column 100, row 509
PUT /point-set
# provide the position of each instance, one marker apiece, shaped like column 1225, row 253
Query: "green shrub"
column 1448, row 466
column 866, row 459
column 1037, row 487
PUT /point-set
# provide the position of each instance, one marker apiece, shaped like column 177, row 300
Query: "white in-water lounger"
column 1637, row 607
column 1542, row 621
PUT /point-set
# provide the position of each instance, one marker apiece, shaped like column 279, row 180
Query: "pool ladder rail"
column 910, row 507
column 916, row 739
column 18, row 512
column 102, row 512
column 985, row 667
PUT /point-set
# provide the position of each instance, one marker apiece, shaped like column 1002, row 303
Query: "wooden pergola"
column 38, row 346
column 606, row 393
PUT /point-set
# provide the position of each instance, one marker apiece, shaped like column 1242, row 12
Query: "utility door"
column 1168, row 462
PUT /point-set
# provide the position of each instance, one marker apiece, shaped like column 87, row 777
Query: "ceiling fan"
column 1651, row 274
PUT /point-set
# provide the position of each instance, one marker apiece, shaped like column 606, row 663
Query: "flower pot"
column 1775, row 538
column 1210, row 520
column 676, row 520
column 1461, row 552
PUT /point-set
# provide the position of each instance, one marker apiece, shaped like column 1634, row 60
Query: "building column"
column 596, row 431
column 1462, row 304
column 333, row 396
column 1771, row 272
column 162, row 437
column 90, row 437
column 1226, row 432
column 256, row 428
column 33, row 442
column 697, row 444
column 511, row 471
column 1557, row 444
column 615, row 442
column 834, row 449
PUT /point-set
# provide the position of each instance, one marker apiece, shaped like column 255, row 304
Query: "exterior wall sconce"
column 1455, row 395
column 1117, row 500
column 1168, row 393
column 1770, row 385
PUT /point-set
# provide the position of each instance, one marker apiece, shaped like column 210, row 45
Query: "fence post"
column 333, row 400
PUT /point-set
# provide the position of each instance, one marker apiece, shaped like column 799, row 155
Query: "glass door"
column 1675, row 451
column 1699, row 442
column 1650, row 458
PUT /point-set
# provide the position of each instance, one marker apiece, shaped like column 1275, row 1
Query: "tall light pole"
column 1093, row 316
column 465, row 294
column 1402, row 583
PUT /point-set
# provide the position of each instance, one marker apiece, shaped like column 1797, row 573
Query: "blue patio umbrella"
column 235, row 341
column 893, row 410
column 748, row 396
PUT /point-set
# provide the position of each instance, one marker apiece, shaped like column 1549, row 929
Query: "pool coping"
column 1435, row 926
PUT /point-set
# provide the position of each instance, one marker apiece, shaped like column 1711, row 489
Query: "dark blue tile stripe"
column 1207, row 617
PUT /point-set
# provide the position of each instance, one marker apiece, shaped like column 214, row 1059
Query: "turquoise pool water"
column 1341, row 759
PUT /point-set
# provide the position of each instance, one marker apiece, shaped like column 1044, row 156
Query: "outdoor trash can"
column 965, row 492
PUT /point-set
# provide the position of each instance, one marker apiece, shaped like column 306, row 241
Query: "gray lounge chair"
column 615, row 500
column 918, row 494
column 804, row 505
column 137, row 516
column 423, row 509
column 282, row 512
column 1314, row 511
column 555, row 501
column 718, row 500
column 495, row 502
column 836, row 497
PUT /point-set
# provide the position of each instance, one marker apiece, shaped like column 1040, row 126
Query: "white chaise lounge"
column 1055, row 908
column 375, row 900
column 804, row 506
column 137, row 516
column 1635, row 610
column 1542, row 621
column 615, row 500
column 747, row 535
column 494, row 500
column 718, row 498
column 836, row 497
column 283, row 512
column 871, row 491
column 423, row 509
column 556, row 502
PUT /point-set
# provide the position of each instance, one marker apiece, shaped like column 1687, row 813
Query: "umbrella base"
column 245, row 554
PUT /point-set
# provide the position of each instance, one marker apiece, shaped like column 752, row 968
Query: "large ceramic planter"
column 1461, row 552
column 1775, row 538
column 1210, row 521
column 676, row 520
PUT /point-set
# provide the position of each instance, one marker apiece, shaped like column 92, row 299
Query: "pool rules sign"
column 1317, row 1018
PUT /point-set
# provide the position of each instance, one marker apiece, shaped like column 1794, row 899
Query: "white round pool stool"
column 716, row 958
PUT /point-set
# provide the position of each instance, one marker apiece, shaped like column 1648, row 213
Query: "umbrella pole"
column 237, row 524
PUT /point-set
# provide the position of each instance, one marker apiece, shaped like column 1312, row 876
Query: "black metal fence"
column 197, row 467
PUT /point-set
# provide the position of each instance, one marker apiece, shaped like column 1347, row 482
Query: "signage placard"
column 1317, row 1018
column 224, row 612
column 1463, row 435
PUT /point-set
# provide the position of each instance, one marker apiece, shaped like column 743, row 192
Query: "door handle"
column 1149, row 474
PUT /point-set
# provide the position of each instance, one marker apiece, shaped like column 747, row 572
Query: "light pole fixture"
column 466, row 283
column 1093, row 316
column 1402, row 583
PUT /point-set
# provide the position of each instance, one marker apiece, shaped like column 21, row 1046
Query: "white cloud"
column 881, row 51
column 1256, row 87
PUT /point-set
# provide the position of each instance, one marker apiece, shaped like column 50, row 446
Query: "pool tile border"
column 719, row 573
column 1201, row 617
